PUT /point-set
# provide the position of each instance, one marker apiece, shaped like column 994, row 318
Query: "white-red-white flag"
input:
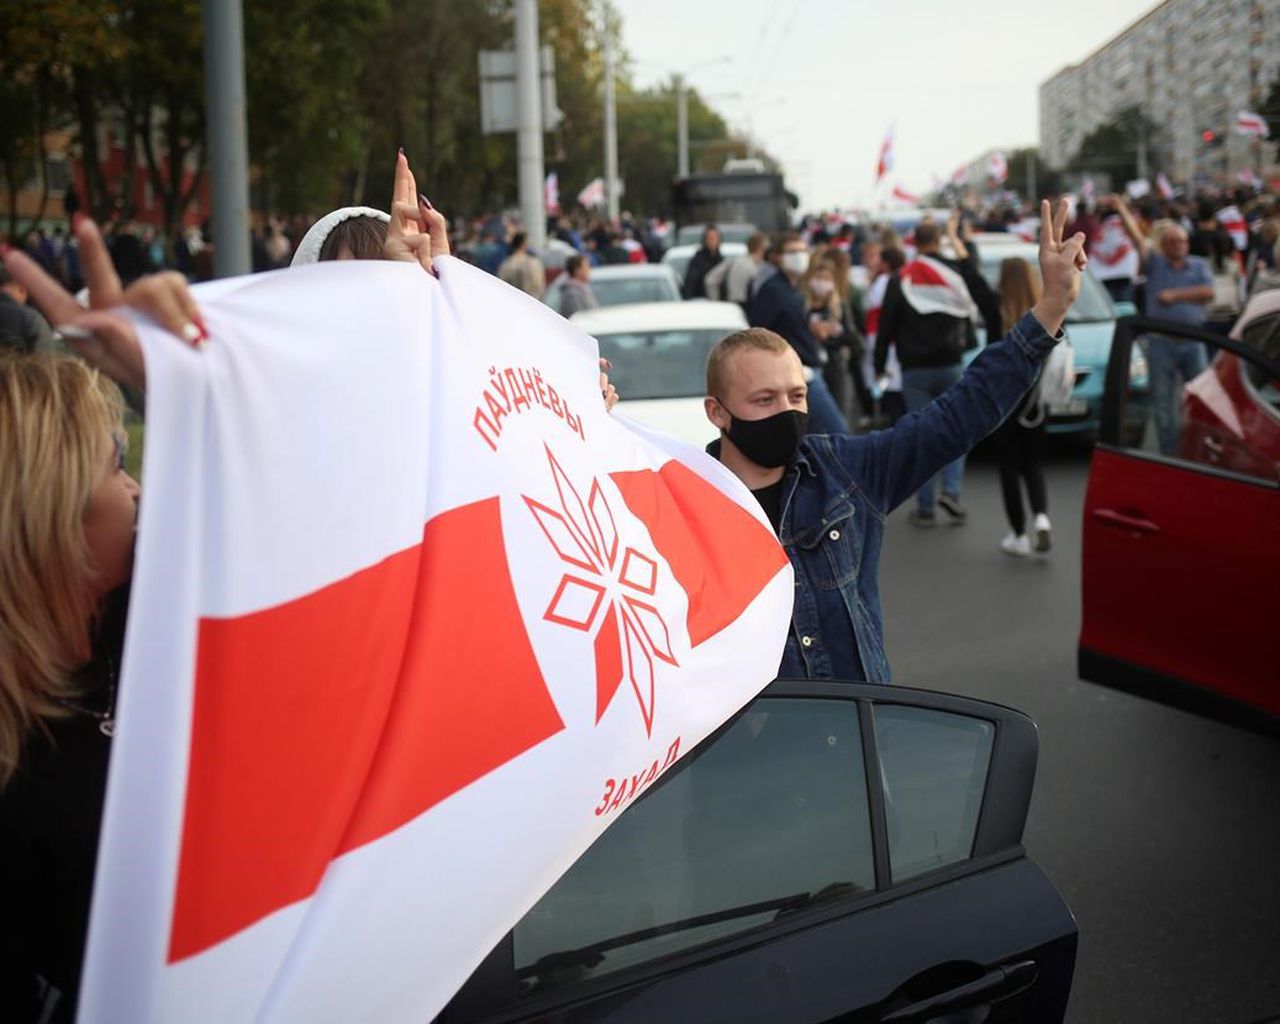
column 905, row 196
column 997, row 168
column 1249, row 123
column 884, row 163
column 551, row 193
column 960, row 175
column 1233, row 222
column 1112, row 255
column 413, row 620
column 592, row 194
column 1163, row 188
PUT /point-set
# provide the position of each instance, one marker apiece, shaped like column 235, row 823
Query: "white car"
column 678, row 256
column 627, row 283
column 659, row 355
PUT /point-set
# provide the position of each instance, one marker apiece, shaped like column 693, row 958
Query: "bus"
column 733, row 197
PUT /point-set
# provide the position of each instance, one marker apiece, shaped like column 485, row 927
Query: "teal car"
column 1089, row 327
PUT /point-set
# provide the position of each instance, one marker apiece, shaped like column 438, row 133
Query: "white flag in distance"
column 413, row 620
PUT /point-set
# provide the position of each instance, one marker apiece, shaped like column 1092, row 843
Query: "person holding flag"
column 65, row 598
column 828, row 495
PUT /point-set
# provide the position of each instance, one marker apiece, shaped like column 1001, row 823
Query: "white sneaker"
column 1016, row 544
column 1042, row 528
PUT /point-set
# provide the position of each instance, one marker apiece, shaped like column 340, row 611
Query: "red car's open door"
column 1181, row 580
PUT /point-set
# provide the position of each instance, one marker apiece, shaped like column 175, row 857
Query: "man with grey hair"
column 1179, row 288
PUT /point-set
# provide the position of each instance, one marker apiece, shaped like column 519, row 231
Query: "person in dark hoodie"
column 703, row 262
column 928, row 313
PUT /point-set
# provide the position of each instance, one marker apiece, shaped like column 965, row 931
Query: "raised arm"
column 1141, row 242
column 892, row 464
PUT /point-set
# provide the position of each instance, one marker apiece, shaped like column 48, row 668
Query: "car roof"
column 698, row 314
column 726, row 249
column 630, row 270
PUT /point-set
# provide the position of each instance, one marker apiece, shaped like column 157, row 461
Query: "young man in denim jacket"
column 828, row 495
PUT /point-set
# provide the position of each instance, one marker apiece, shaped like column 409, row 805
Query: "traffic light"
column 1210, row 138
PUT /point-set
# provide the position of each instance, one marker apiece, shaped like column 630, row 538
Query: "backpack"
column 1054, row 386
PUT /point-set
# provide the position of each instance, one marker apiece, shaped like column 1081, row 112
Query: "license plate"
column 1075, row 407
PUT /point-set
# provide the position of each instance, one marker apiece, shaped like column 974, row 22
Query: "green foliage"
column 332, row 88
column 1270, row 109
column 1113, row 147
column 1048, row 182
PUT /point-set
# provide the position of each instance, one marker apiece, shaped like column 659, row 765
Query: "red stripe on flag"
column 919, row 272
column 329, row 721
column 719, row 553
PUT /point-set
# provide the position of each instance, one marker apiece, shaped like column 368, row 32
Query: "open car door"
column 1181, row 575
column 836, row 852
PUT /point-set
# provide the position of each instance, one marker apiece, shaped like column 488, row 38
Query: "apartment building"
column 1190, row 65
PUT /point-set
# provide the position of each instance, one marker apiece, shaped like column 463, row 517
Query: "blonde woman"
column 831, row 324
column 1019, row 441
column 68, row 510
column 66, row 553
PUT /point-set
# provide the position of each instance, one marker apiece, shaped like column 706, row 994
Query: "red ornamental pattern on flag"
column 386, row 676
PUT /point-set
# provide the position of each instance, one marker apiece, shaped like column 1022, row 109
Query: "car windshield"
column 614, row 291
column 660, row 364
column 691, row 234
column 1093, row 305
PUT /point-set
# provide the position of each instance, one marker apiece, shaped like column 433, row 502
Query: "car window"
column 552, row 296
column 660, row 364
column 770, row 817
column 679, row 264
column 615, row 291
column 1092, row 306
column 934, row 770
column 1215, row 409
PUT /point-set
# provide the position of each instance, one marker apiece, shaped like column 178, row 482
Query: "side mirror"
column 1125, row 309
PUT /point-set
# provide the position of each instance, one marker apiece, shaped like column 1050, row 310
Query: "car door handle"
column 997, row 983
column 1110, row 517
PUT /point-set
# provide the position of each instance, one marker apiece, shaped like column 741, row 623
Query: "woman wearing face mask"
column 777, row 303
column 832, row 326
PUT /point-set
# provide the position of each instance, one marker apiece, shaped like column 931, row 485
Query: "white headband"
column 308, row 250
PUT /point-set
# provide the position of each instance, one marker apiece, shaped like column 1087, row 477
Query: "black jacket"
column 934, row 339
column 50, row 816
column 778, row 306
column 695, row 277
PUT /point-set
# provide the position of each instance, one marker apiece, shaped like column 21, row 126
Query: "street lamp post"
column 529, row 136
column 227, row 135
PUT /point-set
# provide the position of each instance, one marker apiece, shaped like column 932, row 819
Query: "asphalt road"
column 1161, row 829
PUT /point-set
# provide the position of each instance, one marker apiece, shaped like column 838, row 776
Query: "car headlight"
column 1137, row 368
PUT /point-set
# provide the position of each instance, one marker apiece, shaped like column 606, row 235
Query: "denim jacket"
column 838, row 490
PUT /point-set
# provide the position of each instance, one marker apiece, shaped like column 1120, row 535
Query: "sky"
column 818, row 82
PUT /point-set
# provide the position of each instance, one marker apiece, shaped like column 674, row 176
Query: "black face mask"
column 772, row 441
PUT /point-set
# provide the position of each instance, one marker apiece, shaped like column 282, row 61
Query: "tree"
column 1047, row 181
column 1270, row 109
column 1114, row 147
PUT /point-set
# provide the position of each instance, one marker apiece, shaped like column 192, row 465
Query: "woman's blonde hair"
column 56, row 417
column 1019, row 290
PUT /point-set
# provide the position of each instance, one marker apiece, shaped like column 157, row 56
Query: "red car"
column 1181, row 575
